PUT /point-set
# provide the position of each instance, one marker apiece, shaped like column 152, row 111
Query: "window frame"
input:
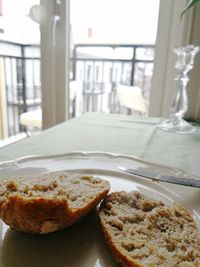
column 174, row 32
column 55, row 64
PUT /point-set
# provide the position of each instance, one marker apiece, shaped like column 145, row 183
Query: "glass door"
column 114, row 45
column 33, row 65
column 20, row 86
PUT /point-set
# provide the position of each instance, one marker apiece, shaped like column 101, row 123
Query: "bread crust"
column 128, row 221
column 44, row 208
column 120, row 257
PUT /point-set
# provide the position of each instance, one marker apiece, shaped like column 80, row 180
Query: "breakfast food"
column 49, row 202
column 144, row 232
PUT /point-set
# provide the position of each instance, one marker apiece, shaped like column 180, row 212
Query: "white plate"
column 83, row 244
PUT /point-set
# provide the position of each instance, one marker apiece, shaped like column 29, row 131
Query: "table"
column 136, row 136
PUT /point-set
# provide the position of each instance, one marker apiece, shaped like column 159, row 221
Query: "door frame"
column 55, row 63
column 173, row 32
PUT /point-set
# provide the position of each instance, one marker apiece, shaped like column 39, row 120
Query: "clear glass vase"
column 184, row 63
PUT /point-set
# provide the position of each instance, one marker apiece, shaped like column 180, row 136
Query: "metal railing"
column 99, row 69
column 21, row 83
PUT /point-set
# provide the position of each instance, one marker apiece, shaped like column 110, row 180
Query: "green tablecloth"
column 137, row 136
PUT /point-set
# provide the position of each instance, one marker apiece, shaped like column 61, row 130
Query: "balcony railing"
column 20, row 86
column 97, row 71
column 101, row 68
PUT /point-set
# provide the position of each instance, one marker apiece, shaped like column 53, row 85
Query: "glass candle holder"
column 184, row 63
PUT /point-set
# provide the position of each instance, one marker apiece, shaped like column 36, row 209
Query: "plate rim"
column 17, row 161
